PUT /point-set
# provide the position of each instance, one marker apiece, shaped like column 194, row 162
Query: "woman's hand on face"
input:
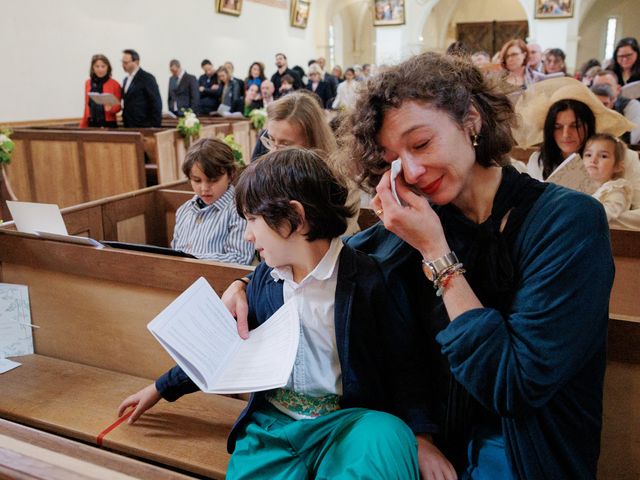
column 415, row 222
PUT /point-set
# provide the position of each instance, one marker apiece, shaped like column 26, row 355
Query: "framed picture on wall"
column 388, row 12
column 300, row 13
column 230, row 7
column 554, row 8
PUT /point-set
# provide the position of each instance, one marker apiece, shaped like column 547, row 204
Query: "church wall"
column 47, row 46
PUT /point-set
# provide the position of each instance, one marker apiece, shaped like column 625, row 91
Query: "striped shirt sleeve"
column 215, row 232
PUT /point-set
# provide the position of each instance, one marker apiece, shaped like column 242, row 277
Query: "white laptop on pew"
column 44, row 220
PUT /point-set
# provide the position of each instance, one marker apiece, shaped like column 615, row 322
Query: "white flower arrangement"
column 258, row 118
column 188, row 126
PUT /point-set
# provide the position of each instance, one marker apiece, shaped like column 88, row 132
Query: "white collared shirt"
column 316, row 371
column 130, row 79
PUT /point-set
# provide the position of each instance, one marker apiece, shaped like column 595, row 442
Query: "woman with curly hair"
column 509, row 277
column 521, row 270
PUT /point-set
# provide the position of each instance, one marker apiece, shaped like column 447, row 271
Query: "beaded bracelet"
column 441, row 283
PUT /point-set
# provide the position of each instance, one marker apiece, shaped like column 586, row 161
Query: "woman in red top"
column 100, row 81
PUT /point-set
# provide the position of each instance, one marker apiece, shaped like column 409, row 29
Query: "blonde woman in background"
column 297, row 120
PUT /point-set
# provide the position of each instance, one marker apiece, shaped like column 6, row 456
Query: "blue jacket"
column 378, row 349
column 540, row 368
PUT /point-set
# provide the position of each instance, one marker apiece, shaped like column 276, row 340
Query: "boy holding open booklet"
column 358, row 366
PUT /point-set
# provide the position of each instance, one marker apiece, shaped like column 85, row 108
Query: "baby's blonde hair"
column 619, row 151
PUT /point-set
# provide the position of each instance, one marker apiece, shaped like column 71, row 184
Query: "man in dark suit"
column 330, row 79
column 210, row 90
column 183, row 90
column 142, row 105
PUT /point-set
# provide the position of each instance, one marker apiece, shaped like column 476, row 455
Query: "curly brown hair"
column 447, row 83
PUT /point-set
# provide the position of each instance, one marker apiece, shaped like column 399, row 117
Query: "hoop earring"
column 474, row 139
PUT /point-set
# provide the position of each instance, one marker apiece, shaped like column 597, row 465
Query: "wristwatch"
column 433, row 268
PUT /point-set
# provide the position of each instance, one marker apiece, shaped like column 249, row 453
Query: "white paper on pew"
column 15, row 321
column 631, row 90
column 200, row 334
column 6, row 365
column 104, row 98
column 32, row 217
column 71, row 239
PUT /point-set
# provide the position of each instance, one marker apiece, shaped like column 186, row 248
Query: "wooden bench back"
column 72, row 167
column 143, row 216
column 625, row 245
column 620, row 447
column 92, row 305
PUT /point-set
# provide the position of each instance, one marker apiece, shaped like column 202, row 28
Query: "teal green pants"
column 345, row 444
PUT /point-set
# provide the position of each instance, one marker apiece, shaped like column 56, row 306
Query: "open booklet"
column 198, row 331
column 572, row 174
column 104, row 98
column 631, row 90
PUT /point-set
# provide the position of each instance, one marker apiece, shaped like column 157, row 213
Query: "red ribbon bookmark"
column 113, row 426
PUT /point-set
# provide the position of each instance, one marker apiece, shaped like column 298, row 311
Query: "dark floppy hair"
column 350, row 69
column 102, row 58
column 204, row 62
column 635, row 68
column 214, row 157
column 268, row 185
column 174, row 63
column 444, row 82
column 550, row 153
column 558, row 53
column 134, row 55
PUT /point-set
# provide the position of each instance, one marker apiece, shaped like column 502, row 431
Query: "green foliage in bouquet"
column 6, row 147
column 237, row 150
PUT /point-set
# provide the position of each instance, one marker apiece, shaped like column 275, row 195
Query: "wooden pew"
column 92, row 350
column 164, row 148
column 620, row 447
column 241, row 129
column 143, row 216
column 625, row 245
column 72, row 167
column 29, row 453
